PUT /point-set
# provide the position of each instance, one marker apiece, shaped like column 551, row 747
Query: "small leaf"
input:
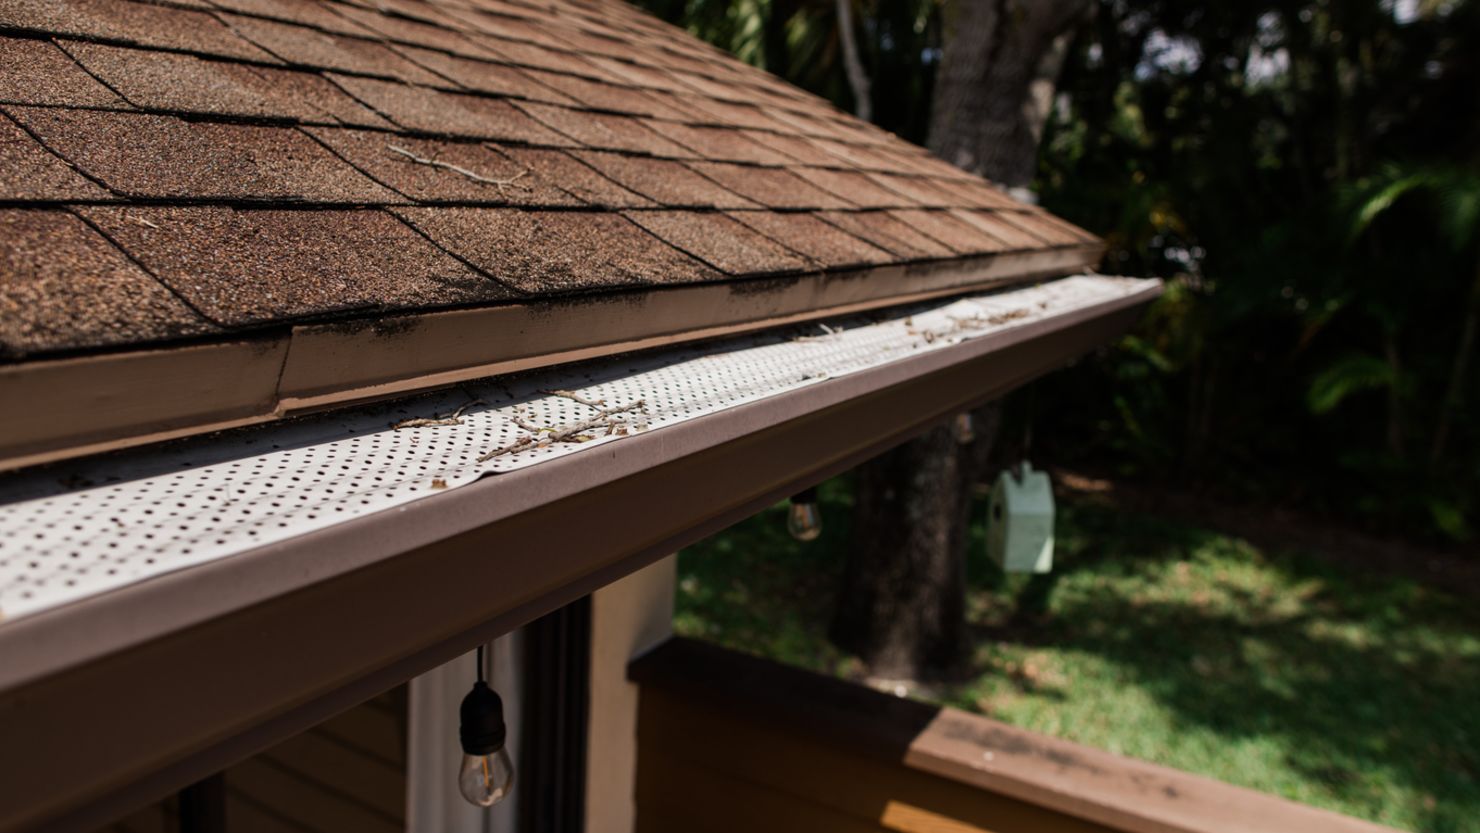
column 1353, row 374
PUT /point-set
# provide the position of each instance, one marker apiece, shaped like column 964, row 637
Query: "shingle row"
column 188, row 167
column 85, row 277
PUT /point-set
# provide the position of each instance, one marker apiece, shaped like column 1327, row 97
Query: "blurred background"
column 1304, row 176
column 1270, row 490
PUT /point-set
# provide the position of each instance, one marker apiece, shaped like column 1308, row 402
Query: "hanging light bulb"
column 487, row 772
column 803, row 519
column 965, row 428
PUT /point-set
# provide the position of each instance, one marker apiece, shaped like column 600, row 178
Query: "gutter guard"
column 177, row 507
column 419, row 580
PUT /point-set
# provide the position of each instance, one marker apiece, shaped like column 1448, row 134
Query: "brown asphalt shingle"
column 974, row 193
column 64, row 286
column 771, row 187
column 888, row 233
column 253, row 266
column 556, row 252
column 852, row 156
column 925, row 193
column 1011, row 236
column 664, row 181
column 176, row 82
column 857, row 188
column 483, row 76
column 605, row 131
column 403, row 30
column 302, row 46
column 576, row 177
column 452, row 114
column 250, row 153
column 636, row 75
column 464, row 171
column 720, row 241
column 601, row 96
column 29, row 172
column 141, row 23
column 726, row 144
column 163, row 157
column 501, row 26
column 321, row 96
column 37, row 72
column 710, row 111
column 800, row 150
column 960, row 236
column 1052, row 231
column 313, row 13
column 802, row 233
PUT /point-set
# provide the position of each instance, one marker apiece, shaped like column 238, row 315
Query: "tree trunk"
column 1459, row 374
column 863, row 101
column 994, row 88
column 903, row 602
column 1397, row 446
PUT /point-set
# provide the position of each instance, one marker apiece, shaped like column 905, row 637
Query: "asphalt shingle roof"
column 202, row 167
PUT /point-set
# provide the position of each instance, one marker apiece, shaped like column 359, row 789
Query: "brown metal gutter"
column 89, row 404
column 208, row 665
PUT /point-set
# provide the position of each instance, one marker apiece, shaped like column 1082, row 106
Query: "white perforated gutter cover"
column 88, row 527
column 231, row 590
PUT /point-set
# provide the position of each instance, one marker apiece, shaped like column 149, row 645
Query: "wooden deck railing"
column 728, row 742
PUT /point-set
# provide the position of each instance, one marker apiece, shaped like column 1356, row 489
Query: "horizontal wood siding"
column 346, row 774
column 704, row 767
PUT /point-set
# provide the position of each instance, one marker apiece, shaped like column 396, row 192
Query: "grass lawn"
column 1170, row 643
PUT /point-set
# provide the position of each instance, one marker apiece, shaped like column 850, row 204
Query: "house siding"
column 348, row 773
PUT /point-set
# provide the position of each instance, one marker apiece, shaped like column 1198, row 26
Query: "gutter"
column 96, row 403
column 208, row 665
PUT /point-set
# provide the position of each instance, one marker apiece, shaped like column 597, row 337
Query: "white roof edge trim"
column 89, row 526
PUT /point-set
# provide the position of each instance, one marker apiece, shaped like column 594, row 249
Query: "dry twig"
column 541, row 436
column 455, row 418
column 598, row 404
column 501, row 184
column 828, row 334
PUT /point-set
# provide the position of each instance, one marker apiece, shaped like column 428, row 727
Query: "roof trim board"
column 441, row 574
column 94, row 403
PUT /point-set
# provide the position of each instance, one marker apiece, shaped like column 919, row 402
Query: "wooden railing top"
column 1112, row 790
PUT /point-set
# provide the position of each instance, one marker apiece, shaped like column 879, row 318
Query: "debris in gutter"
column 501, row 184
column 423, row 422
column 611, row 419
column 828, row 333
column 960, row 325
column 598, row 404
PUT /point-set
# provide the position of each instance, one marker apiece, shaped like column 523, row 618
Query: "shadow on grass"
column 1365, row 690
column 1169, row 643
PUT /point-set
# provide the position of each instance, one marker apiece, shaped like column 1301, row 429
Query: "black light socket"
column 482, row 729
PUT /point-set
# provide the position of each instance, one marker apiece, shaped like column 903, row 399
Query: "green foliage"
column 1304, row 173
column 1245, row 152
column 1169, row 643
column 798, row 40
column 1349, row 375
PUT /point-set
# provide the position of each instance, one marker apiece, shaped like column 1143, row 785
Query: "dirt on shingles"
column 1275, row 528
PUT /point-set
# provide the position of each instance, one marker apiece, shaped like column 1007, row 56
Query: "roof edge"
column 91, row 404
column 443, row 574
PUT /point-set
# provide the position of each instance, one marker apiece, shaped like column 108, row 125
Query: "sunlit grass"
column 1170, row 643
